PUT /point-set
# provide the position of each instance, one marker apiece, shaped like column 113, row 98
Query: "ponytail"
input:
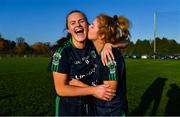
column 123, row 27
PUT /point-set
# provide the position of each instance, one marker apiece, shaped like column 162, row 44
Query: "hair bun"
column 115, row 17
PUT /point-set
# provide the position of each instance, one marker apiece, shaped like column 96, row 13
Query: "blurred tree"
column 174, row 47
column 129, row 49
column 138, row 47
column 146, row 47
column 41, row 48
column 22, row 47
column 166, row 46
column 1, row 44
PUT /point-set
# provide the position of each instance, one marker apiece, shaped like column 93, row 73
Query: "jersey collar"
column 72, row 43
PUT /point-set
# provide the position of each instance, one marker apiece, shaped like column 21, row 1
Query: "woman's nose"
column 90, row 26
column 78, row 24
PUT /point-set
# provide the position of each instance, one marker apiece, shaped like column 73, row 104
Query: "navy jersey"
column 115, row 71
column 78, row 64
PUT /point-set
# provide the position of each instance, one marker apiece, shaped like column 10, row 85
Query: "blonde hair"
column 113, row 29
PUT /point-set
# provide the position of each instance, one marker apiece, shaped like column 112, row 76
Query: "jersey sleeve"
column 112, row 71
column 60, row 61
column 109, row 71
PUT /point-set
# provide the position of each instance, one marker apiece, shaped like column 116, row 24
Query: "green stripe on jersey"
column 57, row 106
column 57, row 56
column 112, row 70
column 112, row 76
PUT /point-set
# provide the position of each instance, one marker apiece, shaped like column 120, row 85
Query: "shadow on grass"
column 151, row 95
column 173, row 104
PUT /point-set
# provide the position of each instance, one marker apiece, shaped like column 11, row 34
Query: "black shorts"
column 67, row 107
column 114, row 107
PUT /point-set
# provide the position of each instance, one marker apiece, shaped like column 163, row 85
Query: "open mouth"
column 79, row 30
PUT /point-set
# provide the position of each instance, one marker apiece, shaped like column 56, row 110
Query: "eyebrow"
column 78, row 20
column 81, row 20
column 72, row 21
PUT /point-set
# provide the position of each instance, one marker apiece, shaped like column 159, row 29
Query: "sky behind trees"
column 44, row 20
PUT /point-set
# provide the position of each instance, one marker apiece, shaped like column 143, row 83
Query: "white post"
column 154, row 34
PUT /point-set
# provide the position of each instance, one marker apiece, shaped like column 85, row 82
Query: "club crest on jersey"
column 56, row 58
column 112, row 67
column 93, row 54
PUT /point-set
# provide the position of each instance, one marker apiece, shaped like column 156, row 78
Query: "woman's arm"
column 122, row 44
column 74, row 82
column 107, row 51
column 112, row 84
column 78, row 83
column 63, row 89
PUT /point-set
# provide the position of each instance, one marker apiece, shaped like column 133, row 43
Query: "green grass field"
column 26, row 87
column 153, row 87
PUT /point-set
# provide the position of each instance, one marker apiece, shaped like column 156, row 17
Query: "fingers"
column 108, row 96
column 103, row 58
column 110, row 90
column 111, row 55
column 106, row 99
column 107, row 55
column 104, row 92
column 109, row 93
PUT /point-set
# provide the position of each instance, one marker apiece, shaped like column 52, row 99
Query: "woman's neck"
column 99, row 44
column 79, row 44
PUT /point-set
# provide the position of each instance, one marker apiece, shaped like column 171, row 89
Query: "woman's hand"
column 107, row 54
column 104, row 92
